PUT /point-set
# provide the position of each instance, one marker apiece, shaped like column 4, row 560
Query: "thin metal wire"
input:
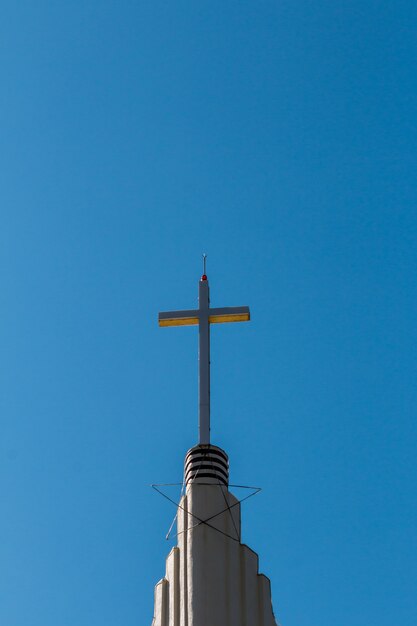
column 202, row 484
column 200, row 521
column 183, row 494
column 223, row 511
column 167, row 536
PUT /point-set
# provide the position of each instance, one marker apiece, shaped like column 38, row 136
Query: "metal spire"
column 204, row 316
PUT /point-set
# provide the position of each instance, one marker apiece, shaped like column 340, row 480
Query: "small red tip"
column 204, row 277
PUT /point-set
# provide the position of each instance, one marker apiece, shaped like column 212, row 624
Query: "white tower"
column 211, row 578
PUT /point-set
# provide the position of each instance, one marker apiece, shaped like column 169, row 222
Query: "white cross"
column 204, row 316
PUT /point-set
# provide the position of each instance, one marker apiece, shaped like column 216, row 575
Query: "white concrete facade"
column 211, row 578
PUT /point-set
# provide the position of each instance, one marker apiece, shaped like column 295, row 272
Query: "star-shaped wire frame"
column 156, row 486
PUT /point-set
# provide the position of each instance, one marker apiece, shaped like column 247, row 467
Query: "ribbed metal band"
column 206, row 463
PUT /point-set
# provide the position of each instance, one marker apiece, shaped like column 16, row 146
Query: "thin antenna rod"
column 204, row 263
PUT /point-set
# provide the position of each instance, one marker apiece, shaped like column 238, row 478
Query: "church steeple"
column 211, row 578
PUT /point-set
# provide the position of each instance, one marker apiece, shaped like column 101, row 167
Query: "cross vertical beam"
column 204, row 363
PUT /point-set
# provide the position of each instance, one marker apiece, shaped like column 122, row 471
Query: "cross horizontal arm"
column 229, row 314
column 179, row 318
column 216, row 316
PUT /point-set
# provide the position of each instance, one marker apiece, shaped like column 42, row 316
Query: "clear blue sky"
column 280, row 138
